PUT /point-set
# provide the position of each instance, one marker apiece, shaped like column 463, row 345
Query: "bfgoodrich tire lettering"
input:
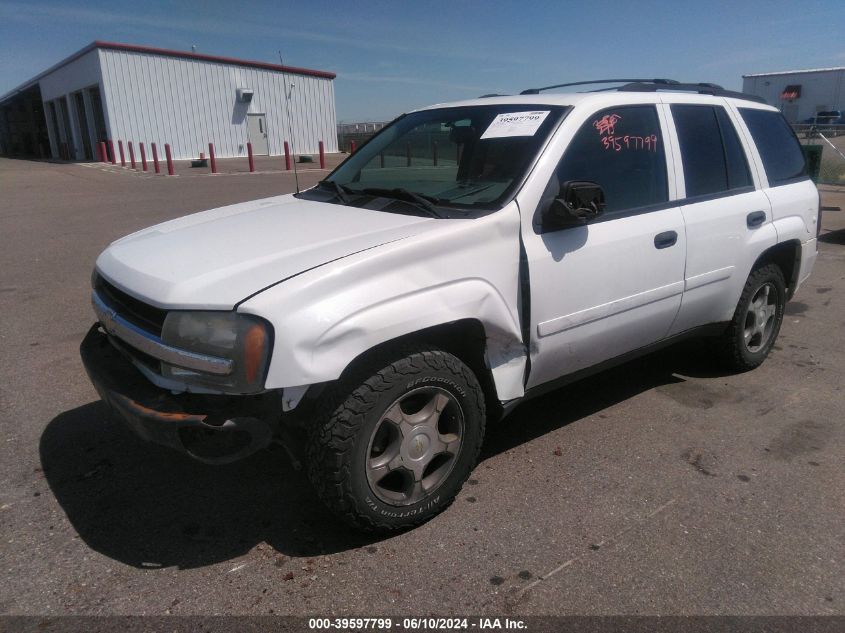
column 420, row 411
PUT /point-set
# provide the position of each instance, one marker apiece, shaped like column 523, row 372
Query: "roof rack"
column 534, row 91
column 700, row 88
column 654, row 85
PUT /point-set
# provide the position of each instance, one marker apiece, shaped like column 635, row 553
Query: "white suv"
column 469, row 256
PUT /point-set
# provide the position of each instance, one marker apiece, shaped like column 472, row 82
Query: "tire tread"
column 341, row 414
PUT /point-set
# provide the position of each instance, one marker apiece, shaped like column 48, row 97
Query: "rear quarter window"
column 779, row 148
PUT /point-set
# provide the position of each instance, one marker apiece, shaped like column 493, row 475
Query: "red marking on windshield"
column 606, row 124
column 630, row 141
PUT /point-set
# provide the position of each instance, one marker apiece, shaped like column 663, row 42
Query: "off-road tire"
column 732, row 347
column 340, row 434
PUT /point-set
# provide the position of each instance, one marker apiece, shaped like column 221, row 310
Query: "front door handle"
column 665, row 239
column 755, row 219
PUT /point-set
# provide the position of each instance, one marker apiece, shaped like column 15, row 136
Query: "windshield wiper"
column 340, row 191
column 478, row 189
column 419, row 199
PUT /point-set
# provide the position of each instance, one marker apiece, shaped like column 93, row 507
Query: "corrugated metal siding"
column 189, row 103
column 823, row 90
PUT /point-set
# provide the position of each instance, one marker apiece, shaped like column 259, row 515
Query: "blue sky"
column 393, row 56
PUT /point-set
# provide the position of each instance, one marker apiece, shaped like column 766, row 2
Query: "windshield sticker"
column 515, row 124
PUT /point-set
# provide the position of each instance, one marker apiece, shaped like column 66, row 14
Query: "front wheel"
column 397, row 438
column 757, row 319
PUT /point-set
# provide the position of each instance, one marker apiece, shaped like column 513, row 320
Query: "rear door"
column 613, row 285
column 727, row 215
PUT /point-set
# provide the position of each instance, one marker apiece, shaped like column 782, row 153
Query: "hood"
column 215, row 259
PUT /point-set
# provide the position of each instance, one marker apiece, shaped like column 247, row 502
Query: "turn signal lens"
column 255, row 351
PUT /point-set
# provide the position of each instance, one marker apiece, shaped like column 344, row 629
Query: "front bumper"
column 212, row 429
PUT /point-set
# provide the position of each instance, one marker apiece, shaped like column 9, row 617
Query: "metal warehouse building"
column 119, row 92
column 800, row 94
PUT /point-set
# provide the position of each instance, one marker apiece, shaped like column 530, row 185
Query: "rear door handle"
column 755, row 219
column 665, row 239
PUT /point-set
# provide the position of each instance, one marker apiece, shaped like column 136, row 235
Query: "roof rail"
column 700, row 88
column 492, row 94
column 654, row 85
column 534, row 91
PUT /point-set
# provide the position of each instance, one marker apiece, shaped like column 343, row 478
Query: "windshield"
column 460, row 158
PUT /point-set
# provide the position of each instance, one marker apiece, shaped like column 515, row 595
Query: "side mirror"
column 578, row 203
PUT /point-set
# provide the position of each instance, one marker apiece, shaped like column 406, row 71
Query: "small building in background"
column 800, row 94
column 120, row 92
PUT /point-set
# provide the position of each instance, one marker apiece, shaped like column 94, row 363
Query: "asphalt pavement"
column 665, row 486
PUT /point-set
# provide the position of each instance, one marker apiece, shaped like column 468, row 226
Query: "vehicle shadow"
column 593, row 394
column 833, row 237
column 150, row 507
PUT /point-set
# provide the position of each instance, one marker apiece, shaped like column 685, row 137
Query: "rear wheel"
column 757, row 319
column 396, row 440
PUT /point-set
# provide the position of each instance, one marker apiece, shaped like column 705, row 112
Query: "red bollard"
column 408, row 153
column 111, row 152
column 434, row 153
column 122, row 157
column 155, row 158
column 143, row 157
column 99, row 153
column 169, row 159
column 131, row 154
column 211, row 160
column 352, row 147
column 287, row 156
column 249, row 156
column 104, row 152
column 322, row 156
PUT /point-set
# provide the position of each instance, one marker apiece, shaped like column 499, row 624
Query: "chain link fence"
column 824, row 148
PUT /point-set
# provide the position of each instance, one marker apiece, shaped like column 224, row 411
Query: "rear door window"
column 713, row 158
column 779, row 148
column 738, row 173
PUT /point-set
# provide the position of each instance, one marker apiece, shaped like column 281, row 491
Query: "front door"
column 613, row 285
column 257, row 131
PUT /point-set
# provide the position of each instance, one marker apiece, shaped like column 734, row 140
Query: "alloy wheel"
column 414, row 446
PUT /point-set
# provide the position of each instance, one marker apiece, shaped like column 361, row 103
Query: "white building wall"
column 190, row 103
column 80, row 73
column 820, row 90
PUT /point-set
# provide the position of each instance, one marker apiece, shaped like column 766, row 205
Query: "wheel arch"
column 787, row 256
column 466, row 339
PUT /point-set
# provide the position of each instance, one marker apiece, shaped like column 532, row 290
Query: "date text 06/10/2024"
column 415, row 624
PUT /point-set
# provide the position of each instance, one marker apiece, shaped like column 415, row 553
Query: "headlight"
column 244, row 339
